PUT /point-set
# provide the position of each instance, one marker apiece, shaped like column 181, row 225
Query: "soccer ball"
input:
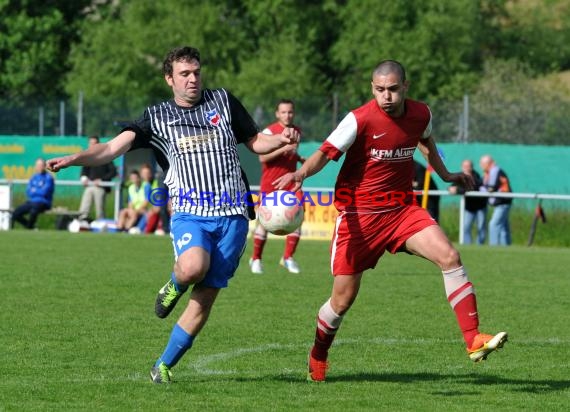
column 280, row 212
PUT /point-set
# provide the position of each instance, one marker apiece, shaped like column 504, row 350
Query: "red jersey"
column 279, row 166
column 378, row 170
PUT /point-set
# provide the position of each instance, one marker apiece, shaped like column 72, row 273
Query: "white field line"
column 202, row 365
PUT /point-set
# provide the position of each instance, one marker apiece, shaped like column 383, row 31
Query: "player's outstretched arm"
column 284, row 150
column 266, row 143
column 311, row 166
column 95, row 155
column 429, row 151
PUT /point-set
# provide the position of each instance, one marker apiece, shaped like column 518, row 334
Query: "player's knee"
column 190, row 273
column 450, row 259
column 341, row 304
column 260, row 232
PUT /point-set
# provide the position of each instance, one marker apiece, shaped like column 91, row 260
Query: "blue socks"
column 179, row 287
column 180, row 341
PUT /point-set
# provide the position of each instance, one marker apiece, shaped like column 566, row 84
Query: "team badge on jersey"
column 213, row 117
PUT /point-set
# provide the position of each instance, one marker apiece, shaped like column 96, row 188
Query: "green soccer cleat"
column 166, row 300
column 160, row 373
column 484, row 344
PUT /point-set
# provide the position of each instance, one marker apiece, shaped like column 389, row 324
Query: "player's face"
column 186, row 82
column 390, row 93
column 285, row 114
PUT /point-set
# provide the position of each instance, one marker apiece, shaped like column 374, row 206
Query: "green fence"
column 531, row 169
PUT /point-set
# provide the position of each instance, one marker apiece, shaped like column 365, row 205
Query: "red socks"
column 328, row 323
column 291, row 243
column 461, row 296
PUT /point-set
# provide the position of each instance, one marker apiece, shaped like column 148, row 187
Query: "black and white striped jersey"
column 197, row 148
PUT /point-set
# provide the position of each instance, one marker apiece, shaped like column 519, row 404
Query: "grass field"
column 79, row 332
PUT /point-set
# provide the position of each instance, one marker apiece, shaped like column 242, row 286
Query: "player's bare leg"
column 122, row 219
column 329, row 318
column 132, row 218
column 190, row 268
column 198, row 310
column 185, row 331
column 431, row 243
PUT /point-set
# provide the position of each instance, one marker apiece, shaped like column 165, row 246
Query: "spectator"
column 475, row 207
column 147, row 176
column 152, row 222
column 139, row 193
column 496, row 180
column 418, row 184
column 91, row 177
column 39, row 193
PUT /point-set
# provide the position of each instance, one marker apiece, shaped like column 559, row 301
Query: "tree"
column 510, row 105
column 118, row 64
column 537, row 32
column 260, row 50
column 35, row 41
column 439, row 42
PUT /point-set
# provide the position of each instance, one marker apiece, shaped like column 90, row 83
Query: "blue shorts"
column 223, row 237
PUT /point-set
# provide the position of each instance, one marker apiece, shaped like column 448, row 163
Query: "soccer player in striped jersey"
column 194, row 137
column 274, row 165
column 377, row 212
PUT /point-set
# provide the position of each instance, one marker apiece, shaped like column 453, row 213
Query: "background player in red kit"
column 374, row 197
column 274, row 165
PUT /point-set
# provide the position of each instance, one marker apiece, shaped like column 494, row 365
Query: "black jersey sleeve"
column 243, row 125
column 143, row 132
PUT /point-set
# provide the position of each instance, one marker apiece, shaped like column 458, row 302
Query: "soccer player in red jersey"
column 374, row 197
column 274, row 165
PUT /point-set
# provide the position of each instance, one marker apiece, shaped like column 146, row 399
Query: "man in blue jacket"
column 39, row 192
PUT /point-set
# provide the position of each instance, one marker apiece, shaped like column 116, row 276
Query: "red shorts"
column 361, row 239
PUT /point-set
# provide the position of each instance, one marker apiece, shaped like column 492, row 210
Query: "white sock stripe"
column 468, row 291
column 328, row 315
column 453, row 279
column 328, row 331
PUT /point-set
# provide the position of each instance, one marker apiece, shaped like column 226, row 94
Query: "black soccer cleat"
column 166, row 300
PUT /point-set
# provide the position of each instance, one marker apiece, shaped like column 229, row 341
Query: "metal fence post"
column 461, row 218
column 62, row 118
column 117, row 203
column 41, row 121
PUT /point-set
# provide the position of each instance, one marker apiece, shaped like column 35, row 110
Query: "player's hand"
column 290, row 136
column 463, row 180
column 58, row 163
column 286, row 180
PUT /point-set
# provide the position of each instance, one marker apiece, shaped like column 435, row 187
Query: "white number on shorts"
column 184, row 240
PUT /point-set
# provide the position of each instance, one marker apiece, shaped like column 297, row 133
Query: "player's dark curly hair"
column 179, row 54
